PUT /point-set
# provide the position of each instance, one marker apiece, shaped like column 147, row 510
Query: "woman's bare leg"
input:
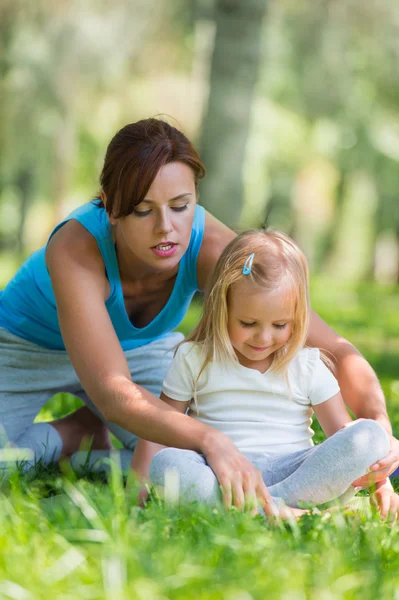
column 79, row 428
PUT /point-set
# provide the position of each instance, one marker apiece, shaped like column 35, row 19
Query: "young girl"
column 245, row 371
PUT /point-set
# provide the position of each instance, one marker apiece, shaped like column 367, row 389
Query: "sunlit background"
column 294, row 106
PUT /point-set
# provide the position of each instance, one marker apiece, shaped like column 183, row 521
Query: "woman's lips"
column 165, row 250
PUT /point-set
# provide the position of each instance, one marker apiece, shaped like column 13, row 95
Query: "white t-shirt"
column 260, row 412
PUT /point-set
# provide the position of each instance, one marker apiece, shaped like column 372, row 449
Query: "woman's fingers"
column 371, row 478
column 265, row 499
column 239, row 497
column 390, row 462
column 243, row 487
column 226, row 491
column 381, row 469
column 240, row 482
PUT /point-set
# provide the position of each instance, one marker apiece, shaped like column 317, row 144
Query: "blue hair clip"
column 248, row 264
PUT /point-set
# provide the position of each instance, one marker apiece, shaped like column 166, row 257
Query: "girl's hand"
column 240, row 482
column 287, row 513
column 386, row 500
column 383, row 468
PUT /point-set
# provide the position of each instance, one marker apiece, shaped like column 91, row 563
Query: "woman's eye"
column 244, row 324
column 179, row 208
column 141, row 213
column 280, row 326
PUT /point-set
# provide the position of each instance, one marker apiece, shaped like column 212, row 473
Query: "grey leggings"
column 317, row 475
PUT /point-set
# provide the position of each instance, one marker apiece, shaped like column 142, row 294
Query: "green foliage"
column 92, row 541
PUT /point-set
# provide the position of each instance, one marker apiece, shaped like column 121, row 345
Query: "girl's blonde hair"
column 277, row 261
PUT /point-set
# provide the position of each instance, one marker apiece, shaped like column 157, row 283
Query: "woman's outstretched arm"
column 359, row 385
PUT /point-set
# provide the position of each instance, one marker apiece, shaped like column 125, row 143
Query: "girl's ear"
column 103, row 197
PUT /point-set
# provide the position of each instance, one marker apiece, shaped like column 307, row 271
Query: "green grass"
column 65, row 538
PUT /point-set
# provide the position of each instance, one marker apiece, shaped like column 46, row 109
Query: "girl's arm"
column 332, row 414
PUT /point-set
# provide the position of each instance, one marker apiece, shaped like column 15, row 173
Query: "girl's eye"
column 179, row 208
column 244, row 324
column 278, row 326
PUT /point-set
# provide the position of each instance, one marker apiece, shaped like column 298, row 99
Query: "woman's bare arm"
column 358, row 382
column 360, row 388
column 145, row 450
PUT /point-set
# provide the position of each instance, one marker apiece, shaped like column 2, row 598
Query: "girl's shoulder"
column 189, row 352
column 305, row 362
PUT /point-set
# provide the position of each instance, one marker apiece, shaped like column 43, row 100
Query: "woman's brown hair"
column 134, row 157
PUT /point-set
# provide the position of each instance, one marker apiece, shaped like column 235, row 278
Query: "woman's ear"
column 103, row 197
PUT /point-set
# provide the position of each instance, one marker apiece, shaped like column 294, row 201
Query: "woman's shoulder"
column 76, row 237
column 73, row 241
column 73, row 254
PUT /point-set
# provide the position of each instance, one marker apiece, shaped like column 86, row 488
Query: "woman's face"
column 157, row 233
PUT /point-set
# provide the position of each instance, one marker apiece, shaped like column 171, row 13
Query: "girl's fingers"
column 383, row 502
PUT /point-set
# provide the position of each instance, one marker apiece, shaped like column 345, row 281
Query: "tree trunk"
column 234, row 71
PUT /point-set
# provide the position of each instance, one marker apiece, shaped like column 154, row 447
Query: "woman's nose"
column 163, row 223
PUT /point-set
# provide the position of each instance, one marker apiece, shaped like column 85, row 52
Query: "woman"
column 92, row 313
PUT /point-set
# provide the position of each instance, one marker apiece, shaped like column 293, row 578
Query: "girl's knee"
column 369, row 437
column 169, row 458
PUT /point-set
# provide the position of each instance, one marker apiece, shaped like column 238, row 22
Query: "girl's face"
column 157, row 233
column 259, row 322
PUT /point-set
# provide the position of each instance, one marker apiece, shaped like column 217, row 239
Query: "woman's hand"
column 386, row 500
column 240, row 482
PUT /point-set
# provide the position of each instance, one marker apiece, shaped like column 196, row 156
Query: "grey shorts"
column 30, row 375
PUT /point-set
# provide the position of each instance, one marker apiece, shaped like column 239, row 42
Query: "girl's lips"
column 259, row 349
column 165, row 250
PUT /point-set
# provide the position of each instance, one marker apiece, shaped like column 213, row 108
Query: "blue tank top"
column 27, row 304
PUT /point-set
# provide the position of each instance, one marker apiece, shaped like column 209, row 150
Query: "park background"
column 294, row 108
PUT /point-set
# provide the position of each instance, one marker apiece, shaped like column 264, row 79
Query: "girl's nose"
column 264, row 338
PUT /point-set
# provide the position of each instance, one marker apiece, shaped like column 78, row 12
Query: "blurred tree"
column 331, row 64
column 234, row 72
column 58, row 58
